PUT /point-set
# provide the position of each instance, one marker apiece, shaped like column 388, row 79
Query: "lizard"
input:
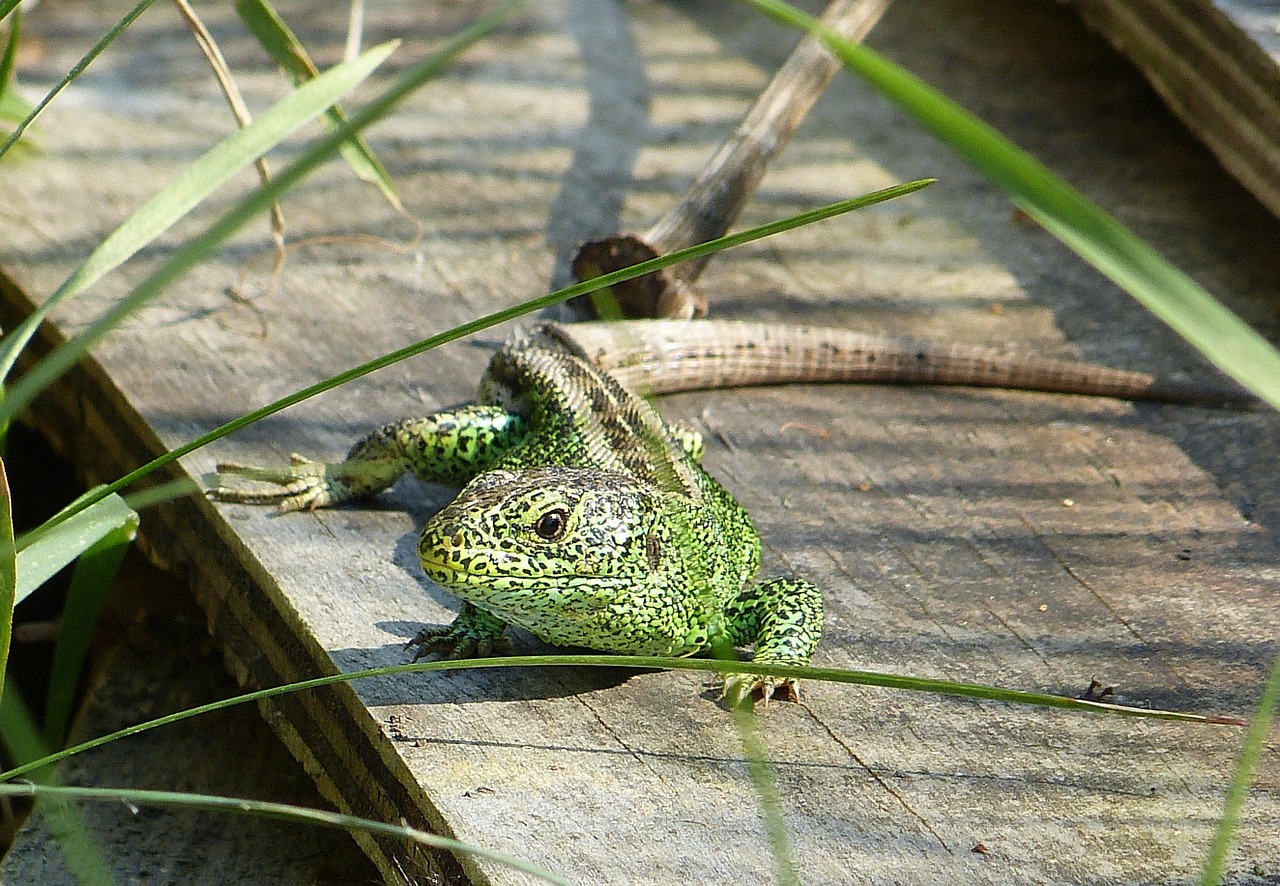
column 587, row 520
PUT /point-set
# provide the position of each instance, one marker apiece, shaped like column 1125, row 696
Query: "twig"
column 717, row 196
column 238, row 109
column 355, row 30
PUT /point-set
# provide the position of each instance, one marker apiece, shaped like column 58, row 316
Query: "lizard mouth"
column 493, row 573
column 443, row 570
column 491, row 568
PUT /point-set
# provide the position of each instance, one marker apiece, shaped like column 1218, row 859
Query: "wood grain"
column 1030, row 541
column 1217, row 64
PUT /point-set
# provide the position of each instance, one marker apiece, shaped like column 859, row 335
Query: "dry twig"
column 717, row 196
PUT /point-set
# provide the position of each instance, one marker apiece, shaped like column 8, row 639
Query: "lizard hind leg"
column 689, row 438
column 782, row 619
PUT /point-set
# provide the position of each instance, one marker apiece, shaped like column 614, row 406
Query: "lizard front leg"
column 447, row 447
column 782, row 619
column 473, row 634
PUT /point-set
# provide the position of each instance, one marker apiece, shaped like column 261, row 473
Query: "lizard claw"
column 745, row 689
column 454, row 642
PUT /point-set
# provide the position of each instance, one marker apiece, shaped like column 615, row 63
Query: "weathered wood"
column 713, row 201
column 1217, row 64
column 1029, row 541
column 163, row 661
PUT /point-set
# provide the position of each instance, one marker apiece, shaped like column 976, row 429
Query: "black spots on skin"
column 601, row 404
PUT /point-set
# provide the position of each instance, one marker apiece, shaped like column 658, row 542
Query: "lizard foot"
column 303, row 483
column 742, row 689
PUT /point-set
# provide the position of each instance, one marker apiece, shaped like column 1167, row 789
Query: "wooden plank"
column 1029, row 541
column 1217, row 64
column 161, row 661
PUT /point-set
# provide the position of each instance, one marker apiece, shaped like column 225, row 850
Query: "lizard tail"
column 665, row 356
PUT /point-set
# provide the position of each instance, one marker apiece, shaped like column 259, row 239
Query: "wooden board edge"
column 1214, row 77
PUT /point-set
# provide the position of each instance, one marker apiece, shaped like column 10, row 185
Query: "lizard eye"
column 550, row 525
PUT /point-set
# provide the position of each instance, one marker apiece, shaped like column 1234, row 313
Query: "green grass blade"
column 762, row 779
column 1255, row 742
column 833, row 675
column 1186, row 307
column 42, row 555
column 276, row 38
column 8, row 570
column 289, row 53
column 197, row 182
column 66, row 356
column 497, row 317
column 262, row 809
column 12, row 107
column 10, row 49
column 1083, row 226
column 76, row 70
column 137, row 501
column 90, row 581
column 162, row 492
column 23, row 741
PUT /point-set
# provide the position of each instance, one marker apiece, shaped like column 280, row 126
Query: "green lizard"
column 588, row 521
column 584, row 519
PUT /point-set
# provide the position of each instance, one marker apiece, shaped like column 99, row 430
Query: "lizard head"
column 513, row 533
column 579, row 558
column 574, row 556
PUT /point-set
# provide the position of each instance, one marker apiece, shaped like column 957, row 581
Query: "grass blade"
column 66, row 356
column 289, row 53
column 319, row 817
column 834, row 675
column 195, row 183
column 90, row 582
column 10, row 49
column 8, row 570
column 76, row 70
column 762, row 779
column 1222, row 337
column 1255, row 741
column 23, row 741
column 12, row 107
column 1096, row 236
column 46, row 551
column 495, row 318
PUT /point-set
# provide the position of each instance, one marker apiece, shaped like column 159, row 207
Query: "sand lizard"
column 587, row 520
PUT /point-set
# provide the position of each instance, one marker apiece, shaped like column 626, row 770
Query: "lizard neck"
column 586, row 418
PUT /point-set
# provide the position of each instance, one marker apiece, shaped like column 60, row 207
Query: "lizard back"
column 583, row 417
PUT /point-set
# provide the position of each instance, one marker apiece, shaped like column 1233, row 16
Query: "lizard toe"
column 453, row 643
column 746, row 689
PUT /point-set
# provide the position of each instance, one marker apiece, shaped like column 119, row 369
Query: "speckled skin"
column 585, row 519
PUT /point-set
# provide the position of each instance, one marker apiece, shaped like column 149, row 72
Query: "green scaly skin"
column 584, row 519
